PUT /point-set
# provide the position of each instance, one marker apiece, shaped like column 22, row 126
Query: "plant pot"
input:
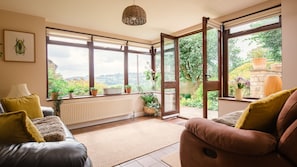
column 112, row 91
column 259, row 63
column 94, row 92
column 54, row 95
column 149, row 110
column 70, row 95
column 238, row 94
column 128, row 90
column 276, row 67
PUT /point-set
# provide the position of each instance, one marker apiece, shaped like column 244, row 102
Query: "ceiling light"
column 134, row 15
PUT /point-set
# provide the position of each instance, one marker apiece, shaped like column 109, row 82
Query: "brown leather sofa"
column 205, row 143
column 67, row 153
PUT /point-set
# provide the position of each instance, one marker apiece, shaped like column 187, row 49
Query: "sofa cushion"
column 16, row 127
column 262, row 114
column 50, row 127
column 229, row 119
column 287, row 115
column 30, row 104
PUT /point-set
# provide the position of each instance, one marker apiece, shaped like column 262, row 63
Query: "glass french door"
column 169, row 76
column 211, row 64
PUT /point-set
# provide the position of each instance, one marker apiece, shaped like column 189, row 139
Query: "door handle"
column 207, row 76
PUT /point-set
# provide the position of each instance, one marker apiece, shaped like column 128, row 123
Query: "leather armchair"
column 205, row 143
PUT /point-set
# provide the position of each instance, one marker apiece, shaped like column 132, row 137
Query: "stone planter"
column 112, row 91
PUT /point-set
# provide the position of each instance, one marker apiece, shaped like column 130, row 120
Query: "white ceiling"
column 167, row 16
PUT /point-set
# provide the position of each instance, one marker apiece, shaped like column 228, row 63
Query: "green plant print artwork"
column 20, row 47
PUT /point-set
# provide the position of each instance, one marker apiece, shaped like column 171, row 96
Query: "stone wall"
column 257, row 81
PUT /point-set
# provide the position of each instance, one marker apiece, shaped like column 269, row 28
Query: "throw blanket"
column 50, row 127
column 229, row 119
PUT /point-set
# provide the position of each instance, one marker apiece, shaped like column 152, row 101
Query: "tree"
column 191, row 56
column 271, row 40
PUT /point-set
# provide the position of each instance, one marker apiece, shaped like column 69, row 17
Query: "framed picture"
column 19, row 46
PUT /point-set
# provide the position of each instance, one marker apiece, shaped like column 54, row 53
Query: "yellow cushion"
column 16, row 127
column 262, row 114
column 30, row 104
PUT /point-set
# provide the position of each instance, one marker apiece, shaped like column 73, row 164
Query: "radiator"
column 92, row 109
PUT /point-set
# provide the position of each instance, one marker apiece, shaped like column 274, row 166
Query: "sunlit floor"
column 191, row 112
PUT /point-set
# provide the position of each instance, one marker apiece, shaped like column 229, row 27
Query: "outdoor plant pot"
column 259, row 63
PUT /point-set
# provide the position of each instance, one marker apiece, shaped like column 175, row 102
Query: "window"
column 108, row 69
column 137, row 67
column 79, row 61
column 68, row 67
column 256, row 41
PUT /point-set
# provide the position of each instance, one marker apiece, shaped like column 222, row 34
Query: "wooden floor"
column 150, row 160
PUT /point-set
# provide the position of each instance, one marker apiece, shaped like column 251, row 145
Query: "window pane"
column 109, row 45
column 158, row 68
column 244, row 51
column 255, row 24
column 69, row 40
column 169, row 60
column 68, row 67
column 138, row 65
column 108, row 69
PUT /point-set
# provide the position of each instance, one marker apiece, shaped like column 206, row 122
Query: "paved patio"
column 192, row 112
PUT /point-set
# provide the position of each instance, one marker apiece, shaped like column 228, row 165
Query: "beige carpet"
column 109, row 147
column 172, row 159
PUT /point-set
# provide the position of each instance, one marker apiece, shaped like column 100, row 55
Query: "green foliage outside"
column 191, row 62
column 270, row 40
column 56, row 83
column 197, row 99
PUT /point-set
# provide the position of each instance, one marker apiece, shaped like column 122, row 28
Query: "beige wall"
column 34, row 74
column 289, row 37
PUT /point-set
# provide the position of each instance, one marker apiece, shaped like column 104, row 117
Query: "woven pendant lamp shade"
column 134, row 15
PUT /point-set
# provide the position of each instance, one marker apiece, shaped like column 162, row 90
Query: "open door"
column 169, row 76
column 211, row 62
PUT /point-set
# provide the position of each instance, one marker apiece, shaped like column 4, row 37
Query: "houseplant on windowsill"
column 151, row 104
column 54, row 93
column 94, row 91
column 70, row 91
column 127, row 89
column 240, row 84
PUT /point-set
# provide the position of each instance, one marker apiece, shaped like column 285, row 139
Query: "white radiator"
column 92, row 109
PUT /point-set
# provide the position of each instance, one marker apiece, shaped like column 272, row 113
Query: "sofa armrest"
column 239, row 141
column 45, row 154
column 47, row 111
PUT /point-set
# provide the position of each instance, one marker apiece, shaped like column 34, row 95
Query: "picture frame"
column 19, row 46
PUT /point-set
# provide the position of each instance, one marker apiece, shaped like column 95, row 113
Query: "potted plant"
column 57, row 104
column 127, row 89
column 94, row 91
column 259, row 59
column 54, row 93
column 151, row 104
column 70, row 91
